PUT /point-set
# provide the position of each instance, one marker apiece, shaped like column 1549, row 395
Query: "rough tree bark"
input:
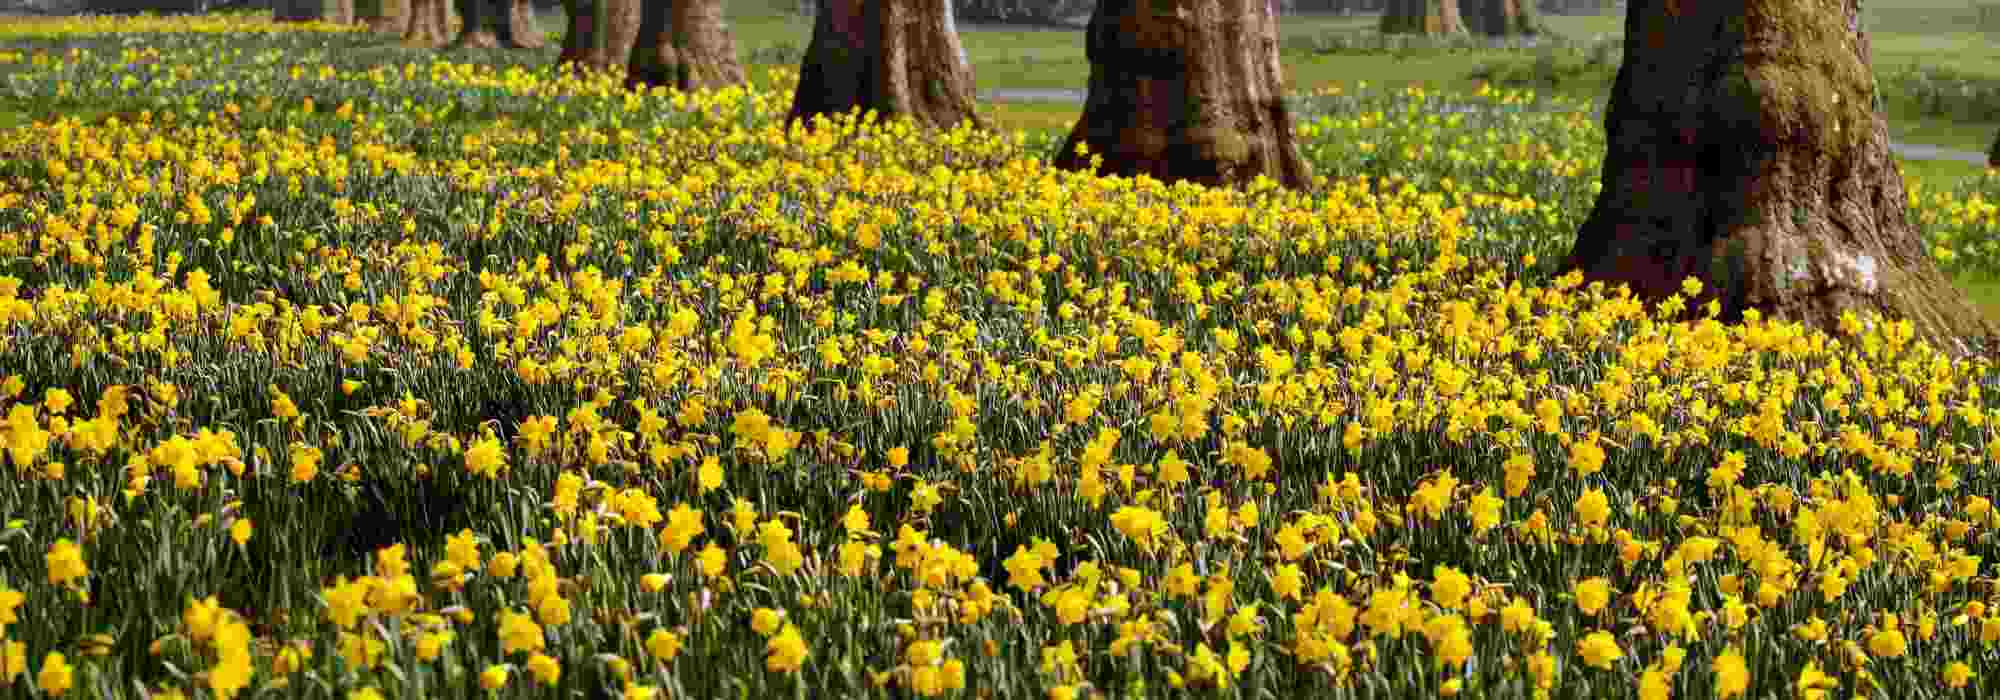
column 430, row 23
column 498, row 24
column 1745, row 150
column 601, row 33
column 1501, row 17
column 334, row 11
column 1993, row 153
column 1186, row 90
column 683, row 44
column 1422, row 17
column 897, row 57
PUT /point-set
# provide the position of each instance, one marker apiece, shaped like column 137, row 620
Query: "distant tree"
column 1745, row 150
column 498, row 24
column 601, row 33
column 1186, row 90
column 429, row 24
column 1501, row 17
column 897, row 57
column 1432, row 17
column 336, row 11
column 386, row 16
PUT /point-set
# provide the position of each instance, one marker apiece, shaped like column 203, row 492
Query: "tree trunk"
column 1993, row 153
column 386, row 16
column 497, row 24
column 526, row 25
column 897, row 57
column 333, row 11
column 683, row 44
column 1422, row 17
column 430, row 23
column 1186, row 90
column 1501, row 17
column 1745, row 150
column 585, row 45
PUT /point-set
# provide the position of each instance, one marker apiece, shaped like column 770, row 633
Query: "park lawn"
column 1931, row 33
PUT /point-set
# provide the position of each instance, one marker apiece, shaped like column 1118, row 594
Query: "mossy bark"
column 601, row 33
column 498, row 24
column 1434, row 17
column 430, row 23
column 897, row 57
column 1501, row 17
column 683, row 44
column 1186, row 90
column 1745, row 150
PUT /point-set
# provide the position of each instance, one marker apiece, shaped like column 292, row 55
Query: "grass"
column 1940, row 171
column 1927, row 33
column 405, row 377
column 1984, row 291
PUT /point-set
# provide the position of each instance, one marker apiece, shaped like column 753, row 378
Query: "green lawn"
column 1932, row 33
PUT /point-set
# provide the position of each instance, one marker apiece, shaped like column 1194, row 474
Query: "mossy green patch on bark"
column 1809, row 75
column 1220, row 143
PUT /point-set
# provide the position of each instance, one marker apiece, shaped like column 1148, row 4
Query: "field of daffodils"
column 331, row 369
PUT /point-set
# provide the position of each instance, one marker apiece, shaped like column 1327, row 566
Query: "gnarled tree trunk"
column 1745, row 150
column 897, row 57
column 1501, row 17
column 1422, row 17
column 498, row 24
column 1186, row 90
column 684, row 44
column 601, row 33
column 430, row 23
column 334, row 11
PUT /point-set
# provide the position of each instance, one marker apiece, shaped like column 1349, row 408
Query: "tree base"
column 600, row 33
column 1180, row 97
column 1744, row 150
column 524, row 27
column 685, row 45
column 476, row 40
column 430, row 24
column 900, row 58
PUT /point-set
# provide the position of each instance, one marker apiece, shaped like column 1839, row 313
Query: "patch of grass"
column 1949, row 133
column 1055, row 118
column 1940, row 173
column 1984, row 291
